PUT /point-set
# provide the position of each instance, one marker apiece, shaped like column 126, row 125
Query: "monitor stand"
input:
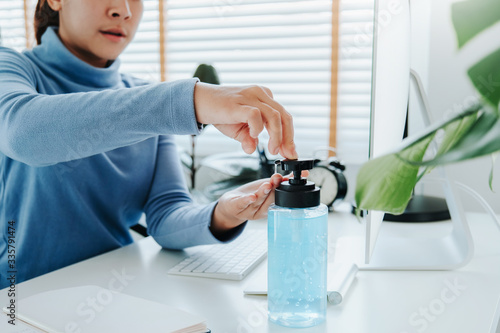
column 422, row 208
column 413, row 246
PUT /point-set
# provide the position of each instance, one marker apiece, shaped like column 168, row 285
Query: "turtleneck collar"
column 52, row 52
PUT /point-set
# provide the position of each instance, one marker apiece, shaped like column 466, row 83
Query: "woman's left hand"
column 248, row 202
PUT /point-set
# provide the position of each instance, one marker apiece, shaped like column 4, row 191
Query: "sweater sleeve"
column 41, row 130
column 173, row 220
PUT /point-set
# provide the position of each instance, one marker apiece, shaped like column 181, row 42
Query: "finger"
column 259, row 209
column 262, row 193
column 303, row 173
column 267, row 91
column 248, row 143
column 252, row 116
column 287, row 144
column 244, row 202
column 262, row 211
column 272, row 122
column 251, row 147
column 265, row 195
column 276, row 180
column 287, row 148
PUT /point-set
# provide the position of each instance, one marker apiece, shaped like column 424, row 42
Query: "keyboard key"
column 231, row 261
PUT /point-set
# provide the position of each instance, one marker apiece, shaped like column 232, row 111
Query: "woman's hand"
column 248, row 202
column 242, row 113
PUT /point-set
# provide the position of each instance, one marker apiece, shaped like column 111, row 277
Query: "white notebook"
column 339, row 278
column 96, row 309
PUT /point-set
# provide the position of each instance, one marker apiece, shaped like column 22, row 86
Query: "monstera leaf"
column 471, row 17
column 386, row 183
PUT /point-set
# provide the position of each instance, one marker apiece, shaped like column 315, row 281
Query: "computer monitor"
column 390, row 89
column 428, row 247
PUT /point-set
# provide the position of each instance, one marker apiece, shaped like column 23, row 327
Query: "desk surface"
column 461, row 300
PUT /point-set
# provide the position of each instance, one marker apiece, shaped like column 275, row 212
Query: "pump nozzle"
column 296, row 192
column 296, row 166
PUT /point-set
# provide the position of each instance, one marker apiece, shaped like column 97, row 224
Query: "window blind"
column 284, row 45
column 12, row 24
column 141, row 58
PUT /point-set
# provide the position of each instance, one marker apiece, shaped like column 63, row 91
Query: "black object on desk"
column 422, row 208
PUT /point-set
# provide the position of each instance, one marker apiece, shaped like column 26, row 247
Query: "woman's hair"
column 44, row 17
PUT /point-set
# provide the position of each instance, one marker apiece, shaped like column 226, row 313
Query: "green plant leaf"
column 473, row 16
column 454, row 131
column 485, row 75
column 481, row 138
column 207, row 73
column 431, row 130
column 386, row 183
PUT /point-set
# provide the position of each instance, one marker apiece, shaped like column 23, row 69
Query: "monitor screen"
column 390, row 89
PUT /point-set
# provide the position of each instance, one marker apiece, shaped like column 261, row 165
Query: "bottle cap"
column 297, row 192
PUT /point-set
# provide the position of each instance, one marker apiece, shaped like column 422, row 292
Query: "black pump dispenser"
column 297, row 192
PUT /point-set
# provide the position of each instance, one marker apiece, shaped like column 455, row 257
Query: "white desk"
column 378, row 301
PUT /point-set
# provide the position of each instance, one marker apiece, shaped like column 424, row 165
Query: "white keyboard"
column 232, row 261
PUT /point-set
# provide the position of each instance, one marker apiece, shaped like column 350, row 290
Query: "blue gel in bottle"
column 297, row 251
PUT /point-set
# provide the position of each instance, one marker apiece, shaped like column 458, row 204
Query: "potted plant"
column 386, row 183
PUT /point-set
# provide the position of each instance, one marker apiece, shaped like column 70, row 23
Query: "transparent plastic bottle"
column 297, row 253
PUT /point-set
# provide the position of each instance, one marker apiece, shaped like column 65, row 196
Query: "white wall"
column 450, row 90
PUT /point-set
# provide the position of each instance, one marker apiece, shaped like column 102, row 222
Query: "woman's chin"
column 108, row 56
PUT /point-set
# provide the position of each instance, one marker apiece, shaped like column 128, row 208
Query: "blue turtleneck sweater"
column 84, row 151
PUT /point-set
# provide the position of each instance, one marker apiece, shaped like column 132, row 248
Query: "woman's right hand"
column 241, row 113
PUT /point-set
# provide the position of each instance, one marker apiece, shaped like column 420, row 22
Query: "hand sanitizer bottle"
column 297, row 251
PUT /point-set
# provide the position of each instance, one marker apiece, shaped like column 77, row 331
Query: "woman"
column 84, row 150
